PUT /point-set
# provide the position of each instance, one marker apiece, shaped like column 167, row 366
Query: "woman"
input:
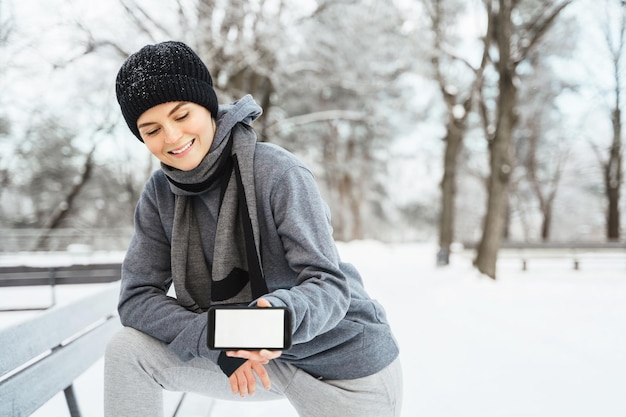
column 228, row 220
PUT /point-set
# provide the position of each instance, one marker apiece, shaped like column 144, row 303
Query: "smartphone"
column 249, row 328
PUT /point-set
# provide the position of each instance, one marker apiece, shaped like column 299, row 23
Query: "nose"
column 172, row 133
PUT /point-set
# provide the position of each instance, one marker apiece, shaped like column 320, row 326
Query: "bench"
column 42, row 356
column 18, row 276
column 576, row 253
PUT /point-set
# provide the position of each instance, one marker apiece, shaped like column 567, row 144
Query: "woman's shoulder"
column 157, row 180
column 275, row 168
column 271, row 157
column 157, row 189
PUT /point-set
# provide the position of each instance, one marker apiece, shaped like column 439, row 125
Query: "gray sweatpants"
column 138, row 367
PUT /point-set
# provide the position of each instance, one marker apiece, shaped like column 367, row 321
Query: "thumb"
column 262, row 302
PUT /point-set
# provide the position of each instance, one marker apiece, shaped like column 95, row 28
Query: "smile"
column 183, row 149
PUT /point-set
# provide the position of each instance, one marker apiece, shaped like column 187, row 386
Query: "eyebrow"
column 178, row 106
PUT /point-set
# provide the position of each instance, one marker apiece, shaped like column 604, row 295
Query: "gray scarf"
column 236, row 275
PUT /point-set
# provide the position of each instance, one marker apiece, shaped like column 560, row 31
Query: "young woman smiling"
column 229, row 220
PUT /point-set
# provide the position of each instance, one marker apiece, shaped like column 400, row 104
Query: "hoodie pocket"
column 346, row 337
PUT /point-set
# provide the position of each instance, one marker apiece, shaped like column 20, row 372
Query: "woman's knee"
column 125, row 344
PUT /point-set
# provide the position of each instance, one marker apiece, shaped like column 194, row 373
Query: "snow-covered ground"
column 550, row 341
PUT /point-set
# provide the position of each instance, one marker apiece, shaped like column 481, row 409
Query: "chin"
column 190, row 166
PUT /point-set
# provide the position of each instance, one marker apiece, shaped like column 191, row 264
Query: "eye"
column 182, row 117
column 152, row 132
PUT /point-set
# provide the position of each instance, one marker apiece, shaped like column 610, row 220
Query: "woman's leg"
column 138, row 367
column 378, row 395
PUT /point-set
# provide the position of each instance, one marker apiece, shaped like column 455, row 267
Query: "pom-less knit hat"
column 156, row 74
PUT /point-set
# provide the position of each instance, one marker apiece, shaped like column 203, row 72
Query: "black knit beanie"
column 156, row 74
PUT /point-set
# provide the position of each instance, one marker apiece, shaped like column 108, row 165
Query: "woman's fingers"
column 263, row 375
column 243, row 381
column 263, row 356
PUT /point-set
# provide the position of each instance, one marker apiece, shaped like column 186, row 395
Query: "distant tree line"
column 340, row 81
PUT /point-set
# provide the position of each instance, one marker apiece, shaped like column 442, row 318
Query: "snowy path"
column 547, row 342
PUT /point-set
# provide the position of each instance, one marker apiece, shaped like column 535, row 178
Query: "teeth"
column 183, row 149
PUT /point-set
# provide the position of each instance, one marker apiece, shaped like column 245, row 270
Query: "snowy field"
column 550, row 341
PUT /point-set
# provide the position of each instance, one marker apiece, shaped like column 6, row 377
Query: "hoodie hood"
column 244, row 110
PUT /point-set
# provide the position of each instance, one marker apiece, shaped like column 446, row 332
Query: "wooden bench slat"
column 29, row 389
column 47, row 329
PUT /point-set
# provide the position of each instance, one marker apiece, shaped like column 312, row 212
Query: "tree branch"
column 538, row 29
column 316, row 117
column 63, row 208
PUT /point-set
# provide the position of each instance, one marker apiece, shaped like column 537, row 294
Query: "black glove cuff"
column 229, row 365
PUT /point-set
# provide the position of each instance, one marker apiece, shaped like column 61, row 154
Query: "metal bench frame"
column 42, row 356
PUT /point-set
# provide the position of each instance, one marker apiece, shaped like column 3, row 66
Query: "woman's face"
column 178, row 133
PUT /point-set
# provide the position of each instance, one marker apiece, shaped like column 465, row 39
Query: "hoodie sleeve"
column 320, row 297
column 146, row 278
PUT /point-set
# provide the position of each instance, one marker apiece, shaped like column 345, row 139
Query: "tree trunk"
column 613, row 177
column 613, row 174
column 545, row 224
column 500, row 166
column 499, row 147
column 354, row 200
column 453, row 139
column 456, row 125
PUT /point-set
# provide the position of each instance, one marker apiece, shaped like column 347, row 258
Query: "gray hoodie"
column 338, row 331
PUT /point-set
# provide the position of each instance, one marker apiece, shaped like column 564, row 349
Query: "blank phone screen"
column 253, row 328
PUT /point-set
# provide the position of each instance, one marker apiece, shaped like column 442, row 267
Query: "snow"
column 549, row 341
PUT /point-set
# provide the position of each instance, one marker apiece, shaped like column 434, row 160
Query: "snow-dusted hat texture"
column 156, row 74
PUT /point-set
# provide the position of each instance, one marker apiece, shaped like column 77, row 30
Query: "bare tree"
column 6, row 23
column 241, row 44
column 512, row 43
column 543, row 178
column 612, row 163
column 458, row 96
column 338, row 101
column 541, row 148
column 65, row 205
